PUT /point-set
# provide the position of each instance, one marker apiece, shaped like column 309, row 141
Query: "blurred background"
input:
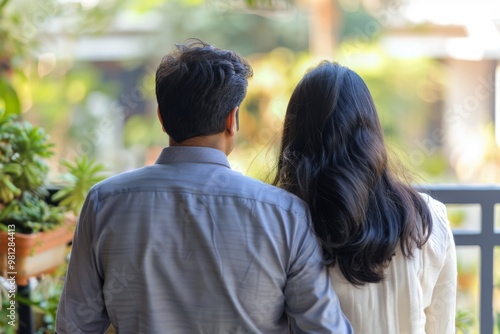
column 84, row 71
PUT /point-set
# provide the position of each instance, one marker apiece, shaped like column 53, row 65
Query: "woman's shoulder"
column 435, row 207
column 441, row 235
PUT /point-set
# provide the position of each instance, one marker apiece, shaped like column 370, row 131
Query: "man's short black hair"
column 197, row 86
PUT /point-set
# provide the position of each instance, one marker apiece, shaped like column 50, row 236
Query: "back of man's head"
column 197, row 86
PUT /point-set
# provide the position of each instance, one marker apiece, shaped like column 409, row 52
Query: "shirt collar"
column 192, row 154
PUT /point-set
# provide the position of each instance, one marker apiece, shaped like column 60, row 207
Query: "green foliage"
column 82, row 174
column 9, row 97
column 22, row 175
column 8, row 191
column 31, row 214
column 22, row 150
column 497, row 321
column 464, row 320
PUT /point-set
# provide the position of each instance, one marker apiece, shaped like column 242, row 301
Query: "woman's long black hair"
column 333, row 156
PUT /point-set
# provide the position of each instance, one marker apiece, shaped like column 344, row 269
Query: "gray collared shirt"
column 190, row 246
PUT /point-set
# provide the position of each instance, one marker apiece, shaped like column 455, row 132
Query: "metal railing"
column 486, row 238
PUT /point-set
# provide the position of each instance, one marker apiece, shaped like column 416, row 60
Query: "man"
column 188, row 245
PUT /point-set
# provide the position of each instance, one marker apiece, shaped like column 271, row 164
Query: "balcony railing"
column 486, row 238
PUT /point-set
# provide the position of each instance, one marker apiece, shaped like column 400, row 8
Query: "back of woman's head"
column 333, row 156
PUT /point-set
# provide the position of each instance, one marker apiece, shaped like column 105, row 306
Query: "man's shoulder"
column 265, row 193
column 123, row 180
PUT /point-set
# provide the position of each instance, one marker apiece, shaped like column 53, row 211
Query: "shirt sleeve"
column 81, row 306
column 440, row 314
column 311, row 303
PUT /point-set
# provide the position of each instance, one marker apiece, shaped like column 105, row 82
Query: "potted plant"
column 35, row 228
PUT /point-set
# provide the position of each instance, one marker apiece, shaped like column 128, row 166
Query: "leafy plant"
column 8, row 191
column 22, row 150
column 464, row 320
column 31, row 214
column 82, row 174
column 8, row 95
column 23, row 173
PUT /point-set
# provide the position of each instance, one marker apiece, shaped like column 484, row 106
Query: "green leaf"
column 8, row 95
column 464, row 320
column 83, row 173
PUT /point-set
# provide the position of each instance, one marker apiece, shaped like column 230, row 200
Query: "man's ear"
column 232, row 122
column 161, row 120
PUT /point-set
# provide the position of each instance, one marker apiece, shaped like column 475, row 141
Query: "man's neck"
column 212, row 141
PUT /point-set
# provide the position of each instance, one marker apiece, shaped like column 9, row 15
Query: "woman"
column 390, row 249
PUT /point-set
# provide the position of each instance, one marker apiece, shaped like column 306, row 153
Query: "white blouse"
column 417, row 296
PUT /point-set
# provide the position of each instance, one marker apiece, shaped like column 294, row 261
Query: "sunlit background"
column 84, row 70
